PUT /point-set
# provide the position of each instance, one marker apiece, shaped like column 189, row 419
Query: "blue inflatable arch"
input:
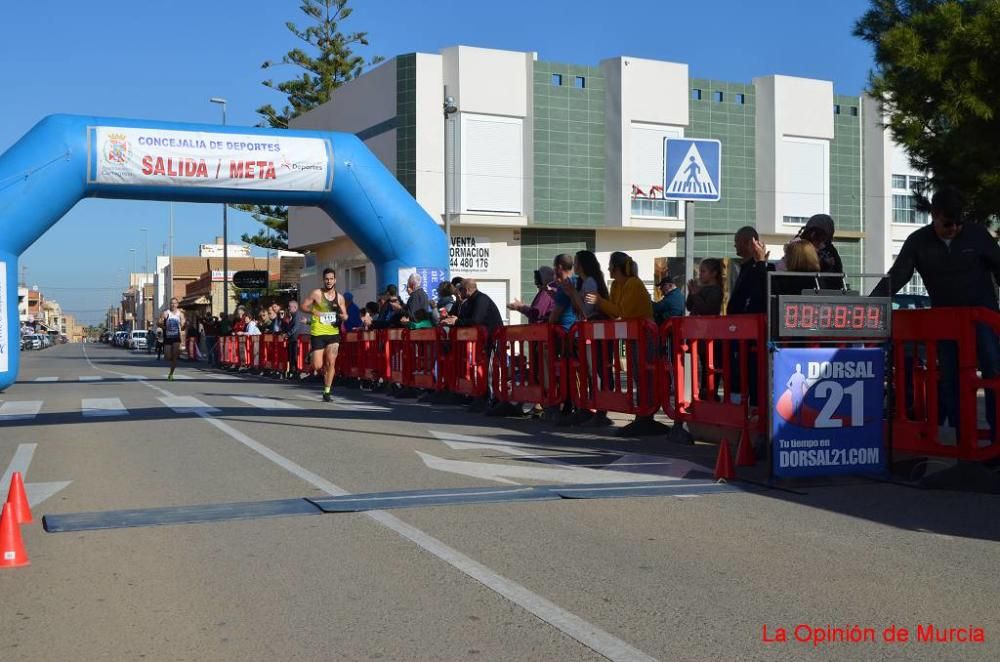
column 65, row 158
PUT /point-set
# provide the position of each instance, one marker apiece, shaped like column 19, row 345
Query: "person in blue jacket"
column 672, row 303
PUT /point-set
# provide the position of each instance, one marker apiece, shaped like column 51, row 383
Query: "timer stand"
column 828, row 395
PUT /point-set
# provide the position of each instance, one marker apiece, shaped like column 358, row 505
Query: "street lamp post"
column 131, row 285
column 449, row 109
column 145, row 272
column 225, row 232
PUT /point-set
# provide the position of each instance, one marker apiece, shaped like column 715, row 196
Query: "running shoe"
column 327, row 397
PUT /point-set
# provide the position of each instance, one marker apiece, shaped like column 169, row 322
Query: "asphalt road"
column 693, row 577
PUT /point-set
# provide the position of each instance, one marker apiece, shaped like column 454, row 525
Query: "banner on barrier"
column 158, row 157
column 826, row 411
column 5, row 340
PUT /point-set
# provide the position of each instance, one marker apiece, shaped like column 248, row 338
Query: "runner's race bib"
column 330, row 319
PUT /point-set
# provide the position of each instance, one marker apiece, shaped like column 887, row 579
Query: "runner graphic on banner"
column 827, row 411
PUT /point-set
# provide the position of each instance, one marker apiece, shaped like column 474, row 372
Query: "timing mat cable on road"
column 356, row 503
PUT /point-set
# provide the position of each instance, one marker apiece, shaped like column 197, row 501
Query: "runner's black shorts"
column 319, row 343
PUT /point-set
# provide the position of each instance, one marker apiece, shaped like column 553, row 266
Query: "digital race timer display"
column 833, row 316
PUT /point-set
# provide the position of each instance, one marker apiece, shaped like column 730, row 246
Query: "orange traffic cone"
column 12, row 554
column 744, row 452
column 724, row 463
column 18, row 499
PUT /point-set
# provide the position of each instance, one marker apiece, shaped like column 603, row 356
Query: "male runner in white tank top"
column 172, row 322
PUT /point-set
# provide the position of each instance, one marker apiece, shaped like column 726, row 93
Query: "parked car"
column 119, row 338
column 137, row 340
column 34, row 341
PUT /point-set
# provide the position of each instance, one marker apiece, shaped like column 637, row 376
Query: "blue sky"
column 164, row 60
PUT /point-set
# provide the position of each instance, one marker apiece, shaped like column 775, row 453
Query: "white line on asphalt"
column 178, row 377
column 20, row 462
column 20, row 410
column 186, row 404
column 570, row 624
column 265, row 403
column 46, row 379
column 103, row 407
column 91, row 378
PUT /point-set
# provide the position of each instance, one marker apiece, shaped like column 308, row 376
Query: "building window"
column 915, row 286
column 717, row 97
column 696, row 95
column 646, row 170
column 557, row 80
column 904, row 210
column 899, row 181
column 836, row 109
column 739, row 99
column 654, row 207
column 491, row 164
column 794, row 220
column 917, row 183
column 579, row 82
column 854, row 111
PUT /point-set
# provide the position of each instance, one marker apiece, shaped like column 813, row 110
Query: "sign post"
column 692, row 171
column 827, row 367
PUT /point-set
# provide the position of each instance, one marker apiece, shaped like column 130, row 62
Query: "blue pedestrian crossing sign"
column 692, row 169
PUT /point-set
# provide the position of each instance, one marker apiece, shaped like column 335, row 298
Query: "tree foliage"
column 326, row 60
column 937, row 77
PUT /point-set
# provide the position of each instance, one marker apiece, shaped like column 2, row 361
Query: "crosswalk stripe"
column 266, row 403
column 103, row 407
column 179, row 377
column 21, row 410
column 185, row 404
column 90, row 378
column 46, row 379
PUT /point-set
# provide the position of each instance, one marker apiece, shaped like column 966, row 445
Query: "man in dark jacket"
column 478, row 310
column 960, row 266
column 748, row 297
column 418, row 299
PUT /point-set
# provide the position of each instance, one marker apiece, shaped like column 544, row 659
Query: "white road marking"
column 103, row 407
column 20, row 462
column 506, row 473
column 23, row 410
column 265, row 403
column 178, row 377
column 565, row 473
column 186, row 404
column 37, row 492
column 588, row 634
column 46, row 379
column 91, row 378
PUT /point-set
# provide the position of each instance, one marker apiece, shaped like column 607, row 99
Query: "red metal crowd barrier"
column 699, row 370
column 614, row 366
column 469, row 348
column 396, row 340
column 349, row 355
column 423, row 359
column 531, row 364
column 710, row 351
column 937, row 374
